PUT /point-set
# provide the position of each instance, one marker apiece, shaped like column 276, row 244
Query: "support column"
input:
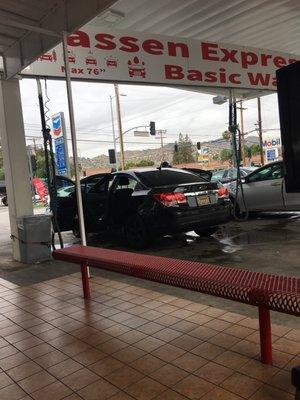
column 14, row 157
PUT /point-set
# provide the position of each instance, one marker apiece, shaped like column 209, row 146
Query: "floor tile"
column 124, row 377
column 149, row 344
column 106, row 366
column 167, row 334
column 220, row 394
column 208, row 350
column 89, row 356
column 170, row 395
column 36, row 381
column 129, row 354
column 193, row 387
column 189, row 362
column 64, row 368
column 145, row 389
column 99, row 389
column 168, row 352
column 241, row 385
column 52, row 358
column 186, row 342
column 12, row 392
column 270, row 393
column 214, row 373
column 147, row 364
column 231, row 360
column 77, row 380
column 259, row 371
column 5, row 380
column 24, row 370
column 169, row 375
column 56, row 391
column 282, row 380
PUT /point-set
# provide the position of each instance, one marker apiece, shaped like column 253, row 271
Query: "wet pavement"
column 268, row 243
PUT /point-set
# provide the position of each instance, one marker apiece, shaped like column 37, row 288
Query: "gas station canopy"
column 269, row 24
column 32, row 27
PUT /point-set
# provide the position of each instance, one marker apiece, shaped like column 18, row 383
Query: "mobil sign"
column 268, row 143
column 100, row 54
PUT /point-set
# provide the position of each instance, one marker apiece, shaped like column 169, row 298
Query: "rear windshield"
column 167, row 177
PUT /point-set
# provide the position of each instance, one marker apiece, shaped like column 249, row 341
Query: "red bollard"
column 265, row 335
column 85, row 281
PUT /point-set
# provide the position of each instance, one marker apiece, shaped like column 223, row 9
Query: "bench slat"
column 275, row 292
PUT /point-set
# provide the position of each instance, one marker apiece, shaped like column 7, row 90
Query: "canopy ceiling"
column 29, row 28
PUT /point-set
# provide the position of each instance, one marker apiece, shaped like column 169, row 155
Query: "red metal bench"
column 267, row 292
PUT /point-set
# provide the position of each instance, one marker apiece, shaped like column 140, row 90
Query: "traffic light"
column 176, row 147
column 112, row 156
column 152, row 128
column 198, row 145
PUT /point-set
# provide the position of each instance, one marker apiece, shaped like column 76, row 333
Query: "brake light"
column 170, row 199
column 223, row 193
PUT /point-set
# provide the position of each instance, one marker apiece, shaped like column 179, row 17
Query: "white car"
column 264, row 190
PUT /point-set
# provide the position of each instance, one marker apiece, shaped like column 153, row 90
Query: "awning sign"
column 102, row 55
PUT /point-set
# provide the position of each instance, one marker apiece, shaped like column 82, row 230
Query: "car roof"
column 133, row 171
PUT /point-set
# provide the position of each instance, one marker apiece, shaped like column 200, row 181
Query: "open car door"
column 66, row 203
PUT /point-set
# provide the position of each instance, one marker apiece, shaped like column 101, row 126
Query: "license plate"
column 203, row 200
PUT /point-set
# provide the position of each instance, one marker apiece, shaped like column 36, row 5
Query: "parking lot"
column 267, row 243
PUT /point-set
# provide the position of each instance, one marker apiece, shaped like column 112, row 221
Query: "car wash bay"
column 136, row 340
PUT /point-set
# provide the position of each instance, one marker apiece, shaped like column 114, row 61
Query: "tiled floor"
column 130, row 342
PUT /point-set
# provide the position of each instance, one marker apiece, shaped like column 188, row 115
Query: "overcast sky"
column 172, row 109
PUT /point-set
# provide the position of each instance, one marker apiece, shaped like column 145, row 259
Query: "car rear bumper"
column 201, row 217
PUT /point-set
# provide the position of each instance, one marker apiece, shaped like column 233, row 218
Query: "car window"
column 166, row 177
column 130, row 184
column 91, row 182
column 232, row 173
column 217, row 175
column 268, row 173
column 100, row 187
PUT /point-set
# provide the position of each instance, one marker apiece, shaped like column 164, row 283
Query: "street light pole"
column 242, row 134
column 260, row 130
column 113, row 131
column 120, row 125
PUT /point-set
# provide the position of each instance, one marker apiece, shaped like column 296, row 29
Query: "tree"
column 225, row 154
column 252, row 150
column 185, row 153
column 2, row 177
column 226, row 135
column 141, row 163
column 255, row 149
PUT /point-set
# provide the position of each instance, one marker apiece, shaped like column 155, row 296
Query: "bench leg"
column 85, row 281
column 265, row 335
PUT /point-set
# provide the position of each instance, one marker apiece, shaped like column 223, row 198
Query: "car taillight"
column 170, row 199
column 223, row 193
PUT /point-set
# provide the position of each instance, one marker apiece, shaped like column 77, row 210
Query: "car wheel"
column 206, row 231
column 136, row 233
column 76, row 231
column 4, row 201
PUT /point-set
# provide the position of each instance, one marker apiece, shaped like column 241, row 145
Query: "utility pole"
column 120, row 125
column 260, row 131
column 162, row 145
column 113, row 131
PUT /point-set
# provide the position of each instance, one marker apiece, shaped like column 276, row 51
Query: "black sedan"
column 144, row 204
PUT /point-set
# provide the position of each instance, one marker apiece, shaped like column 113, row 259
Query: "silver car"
column 264, row 190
